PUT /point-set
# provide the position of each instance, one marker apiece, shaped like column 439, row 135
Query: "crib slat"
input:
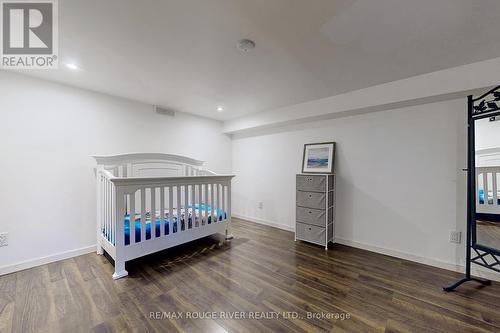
column 106, row 205
column 99, row 204
column 223, row 203
column 119, row 231
column 143, row 214
column 113, row 212
column 105, row 212
column 153, row 212
column 178, row 206
column 214, row 203
column 228, row 212
column 170, row 209
column 193, row 205
column 221, row 206
column 186, row 206
column 197, row 201
column 103, row 206
column 485, row 186
column 162, row 211
column 495, row 189
column 219, row 201
column 477, row 189
column 132, row 219
column 211, row 198
column 108, row 189
column 205, row 209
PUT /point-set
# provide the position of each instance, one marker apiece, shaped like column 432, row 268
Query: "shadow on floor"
column 191, row 252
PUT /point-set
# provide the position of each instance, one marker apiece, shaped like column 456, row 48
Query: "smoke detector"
column 246, row 45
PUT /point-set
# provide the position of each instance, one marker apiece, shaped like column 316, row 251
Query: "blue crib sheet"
column 490, row 198
column 168, row 227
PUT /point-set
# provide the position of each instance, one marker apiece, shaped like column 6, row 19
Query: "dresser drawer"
column 311, row 199
column 315, row 200
column 314, row 216
column 311, row 183
column 310, row 233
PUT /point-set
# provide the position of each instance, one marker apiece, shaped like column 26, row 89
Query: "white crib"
column 488, row 191
column 151, row 202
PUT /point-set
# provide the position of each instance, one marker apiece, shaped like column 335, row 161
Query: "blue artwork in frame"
column 318, row 157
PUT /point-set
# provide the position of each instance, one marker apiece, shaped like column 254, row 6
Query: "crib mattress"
column 178, row 222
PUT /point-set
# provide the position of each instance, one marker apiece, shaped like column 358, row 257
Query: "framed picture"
column 318, row 157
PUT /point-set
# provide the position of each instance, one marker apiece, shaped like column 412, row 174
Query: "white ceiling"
column 182, row 54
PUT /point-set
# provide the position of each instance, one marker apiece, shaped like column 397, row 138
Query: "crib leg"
column 99, row 250
column 119, row 269
column 229, row 234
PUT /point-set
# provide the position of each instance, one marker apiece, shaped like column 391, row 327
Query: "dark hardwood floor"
column 261, row 270
column 488, row 233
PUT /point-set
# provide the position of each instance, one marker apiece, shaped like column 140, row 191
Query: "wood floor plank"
column 261, row 271
column 7, row 301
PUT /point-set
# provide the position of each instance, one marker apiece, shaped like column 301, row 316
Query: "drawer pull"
column 309, row 228
column 310, row 196
column 310, row 212
column 309, row 179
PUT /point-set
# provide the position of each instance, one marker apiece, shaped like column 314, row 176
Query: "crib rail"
column 169, row 202
column 151, row 164
column 488, row 192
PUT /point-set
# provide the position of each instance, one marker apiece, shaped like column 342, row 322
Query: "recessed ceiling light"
column 72, row 66
column 220, row 108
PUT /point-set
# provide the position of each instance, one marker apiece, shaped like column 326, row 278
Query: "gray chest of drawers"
column 315, row 208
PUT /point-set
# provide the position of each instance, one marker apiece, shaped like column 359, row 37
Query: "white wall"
column 487, row 134
column 49, row 132
column 400, row 184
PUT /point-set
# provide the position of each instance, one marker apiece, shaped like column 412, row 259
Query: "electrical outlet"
column 261, row 205
column 455, row 236
column 4, row 239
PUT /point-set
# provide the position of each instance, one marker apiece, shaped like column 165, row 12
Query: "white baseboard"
column 476, row 271
column 265, row 222
column 46, row 260
column 400, row 255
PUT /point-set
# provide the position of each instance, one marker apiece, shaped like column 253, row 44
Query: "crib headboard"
column 152, row 165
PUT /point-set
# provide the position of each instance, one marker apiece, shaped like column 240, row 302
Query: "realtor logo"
column 29, row 34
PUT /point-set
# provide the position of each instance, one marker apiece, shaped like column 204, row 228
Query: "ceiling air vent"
column 164, row 111
column 246, row 45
